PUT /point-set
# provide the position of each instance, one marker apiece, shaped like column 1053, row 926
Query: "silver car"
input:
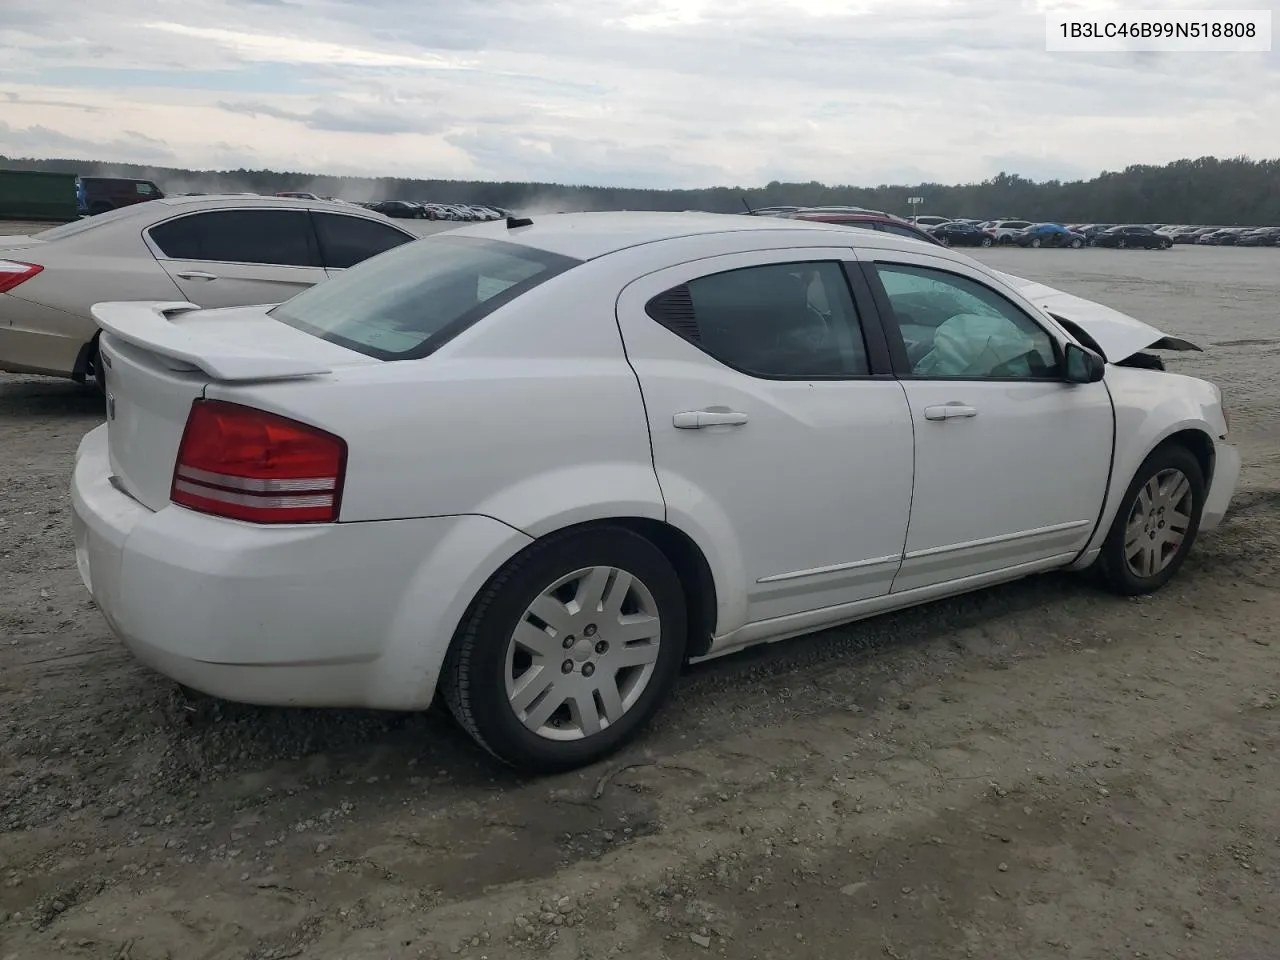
column 211, row 251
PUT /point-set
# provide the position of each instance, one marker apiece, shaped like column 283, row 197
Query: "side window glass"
column 781, row 321
column 899, row 231
column 956, row 327
column 346, row 241
column 271, row 237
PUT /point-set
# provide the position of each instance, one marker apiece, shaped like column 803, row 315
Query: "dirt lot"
column 1033, row 771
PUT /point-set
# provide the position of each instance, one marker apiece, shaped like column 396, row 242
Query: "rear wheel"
column 1121, row 244
column 569, row 650
column 1036, row 241
column 1077, row 243
column 985, row 241
column 1156, row 524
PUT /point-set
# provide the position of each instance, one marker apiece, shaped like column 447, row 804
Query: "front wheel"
column 1121, row 244
column 1156, row 524
column 568, row 650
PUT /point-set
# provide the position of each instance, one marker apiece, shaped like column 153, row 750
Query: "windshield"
column 409, row 301
column 88, row 223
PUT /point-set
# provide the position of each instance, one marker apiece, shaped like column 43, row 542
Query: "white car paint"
column 557, row 409
column 45, row 324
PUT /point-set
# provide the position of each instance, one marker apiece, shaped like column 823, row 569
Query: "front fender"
column 1150, row 407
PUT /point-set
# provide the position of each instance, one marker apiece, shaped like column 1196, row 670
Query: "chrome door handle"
column 955, row 410
column 711, row 417
column 196, row 275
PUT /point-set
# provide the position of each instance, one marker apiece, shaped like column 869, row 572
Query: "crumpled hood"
column 1118, row 335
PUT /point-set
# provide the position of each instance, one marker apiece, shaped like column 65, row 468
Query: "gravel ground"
column 1038, row 770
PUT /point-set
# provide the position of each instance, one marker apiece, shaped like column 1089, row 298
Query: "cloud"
column 626, row 92
column 43, row 141
column 345, row 117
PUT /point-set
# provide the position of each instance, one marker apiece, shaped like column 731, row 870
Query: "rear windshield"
column 409, row 301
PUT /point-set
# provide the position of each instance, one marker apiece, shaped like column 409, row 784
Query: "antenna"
column 748, row 206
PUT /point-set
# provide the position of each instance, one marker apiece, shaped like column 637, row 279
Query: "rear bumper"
column 347, row 614
column 1226, row 475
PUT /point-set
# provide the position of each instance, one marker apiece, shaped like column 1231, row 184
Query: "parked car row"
column 1224, row 236
column 972, row 232
column 421, row 210
column 1023, row 233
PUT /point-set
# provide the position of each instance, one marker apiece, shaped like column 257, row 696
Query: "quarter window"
column 345, row 241
column 955, row 327
column 779, row 321
column 276, row 237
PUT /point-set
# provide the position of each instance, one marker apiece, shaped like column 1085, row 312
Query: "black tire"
column 1077, row 243
column 473, row 681
column 1112, row 565
column 985, row 241
column 1121, row 244
column 1036, row 241
column 1166, row 244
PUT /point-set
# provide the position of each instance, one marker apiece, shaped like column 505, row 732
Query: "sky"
column 631, row 93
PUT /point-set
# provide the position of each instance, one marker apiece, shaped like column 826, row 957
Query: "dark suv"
column 100, row 194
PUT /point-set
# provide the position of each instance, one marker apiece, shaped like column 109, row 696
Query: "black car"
column 1132, row 236
column 1049, row 235
column 959, row 233
column 1091, row 230
column 1262, row 237
column 402, row 209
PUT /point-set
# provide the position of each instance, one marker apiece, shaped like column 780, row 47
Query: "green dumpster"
column 35, row 195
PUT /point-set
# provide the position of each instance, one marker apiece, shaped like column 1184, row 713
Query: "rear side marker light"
column 247, row 464
column 14, row 272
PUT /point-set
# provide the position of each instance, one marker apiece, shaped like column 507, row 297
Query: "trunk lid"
column 157, row 358
column 10, row 244
column 1118, row 335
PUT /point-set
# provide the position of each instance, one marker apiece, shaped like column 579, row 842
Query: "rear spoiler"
column 149, row 326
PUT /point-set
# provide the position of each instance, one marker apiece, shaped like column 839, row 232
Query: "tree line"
column 1208, row 190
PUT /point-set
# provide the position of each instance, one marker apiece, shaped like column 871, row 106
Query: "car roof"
column 240, row 199
column 586, row 236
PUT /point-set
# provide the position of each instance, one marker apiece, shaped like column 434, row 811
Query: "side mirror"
column 1083, row 366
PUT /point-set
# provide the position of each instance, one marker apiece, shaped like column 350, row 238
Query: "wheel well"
column 1199, row 444
column 692, row 569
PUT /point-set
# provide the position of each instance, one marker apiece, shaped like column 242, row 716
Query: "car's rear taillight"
column 246, row 464
column 14, row 272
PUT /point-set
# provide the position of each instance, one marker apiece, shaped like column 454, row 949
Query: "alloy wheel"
column 583, row 653
column 1158, row 523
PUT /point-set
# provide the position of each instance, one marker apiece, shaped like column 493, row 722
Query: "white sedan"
column 214, row 251
column 535, row 466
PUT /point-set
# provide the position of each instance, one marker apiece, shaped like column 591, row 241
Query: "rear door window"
column 346, row 241
column 413, row 299
column 276, row 237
